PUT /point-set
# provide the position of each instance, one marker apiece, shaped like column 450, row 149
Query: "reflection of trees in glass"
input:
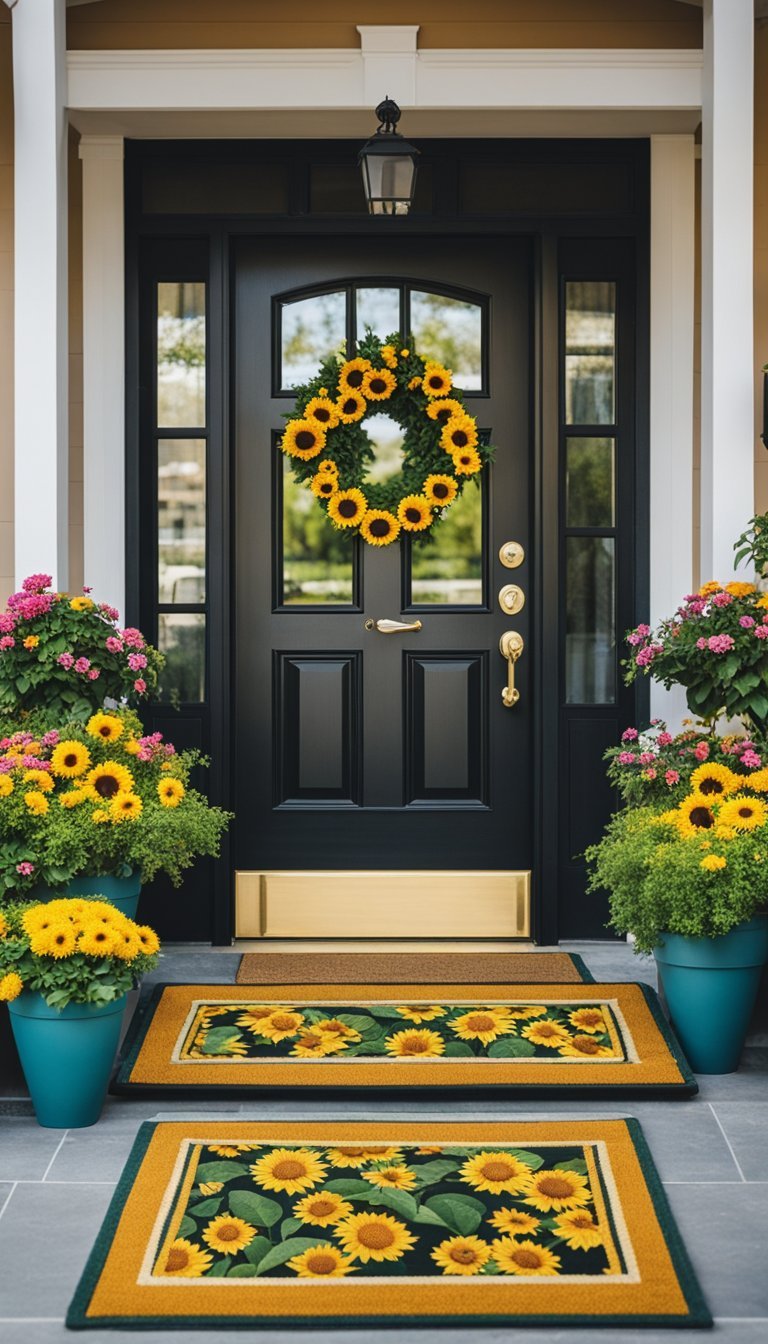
column 182, row 640
column 312, row 329
column 590, row 483
column 450, row 331
column 590, row 337
column 590, row 629
column 446, row 567
column 317, row 558
column 181, row 353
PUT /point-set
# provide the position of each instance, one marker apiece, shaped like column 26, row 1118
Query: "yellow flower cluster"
column 63, row 927
column 721, row 806
column 11, row 986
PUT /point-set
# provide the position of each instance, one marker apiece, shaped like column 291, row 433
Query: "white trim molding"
column 103, row 368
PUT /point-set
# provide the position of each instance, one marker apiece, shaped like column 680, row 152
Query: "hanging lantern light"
column 389, row 165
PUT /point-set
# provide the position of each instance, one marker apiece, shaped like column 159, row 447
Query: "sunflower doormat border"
column 574, row 1039
column 319, row 1224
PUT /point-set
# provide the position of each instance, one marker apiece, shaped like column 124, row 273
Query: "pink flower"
column 720, row 643
column 647, row 655
column 87, row 589
column 664, row 739
column 114, row 644
column 751, row 759
column 722, row 599
column 672, row 777
column 646, row 758
column 760, row 632
column 26, row 869
column 50, row 738
column 701, row 643
column 746, row 622
column 133, row 638
column 65, row 660
column 7, row 642
column 7, row 623
column 93, row 673
column 140, row 685
column 702, row 751
column 28, row 605
column 629, row 735
column 626, row 758
column 36, row 583
column 650, row 773
column 7, row 766
column 136, row 661
column 634, row 638
column 111, row 613
column 82, row 665
column 643, row 630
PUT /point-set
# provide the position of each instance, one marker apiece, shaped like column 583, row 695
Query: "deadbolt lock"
column 511, row 599
column 511, row 554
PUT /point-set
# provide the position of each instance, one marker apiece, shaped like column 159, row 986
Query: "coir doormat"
column 583, row 1040
column 319, row 1224
column 377, row 968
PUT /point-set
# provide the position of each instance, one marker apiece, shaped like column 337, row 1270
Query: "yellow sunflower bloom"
column 441, row 490
column 415, row 1044
column 421, row 1012
column 100, row 817
column 483, row 1024
column 127, row 945
column 253, row 1016
column 105, row 781
column 281, row 1024
column 324, row 411
column 514, row 1222
column 293, row 1170
column 333, row 1027
column 392, row 1177
column 323, row 1261
column 712, row 778
column 552, row 1190
column 81, row 604
column 414, row 513
column 496, row 1171
column 61, row 941
column 737, row 589
column 324, row 484
column 712, row 862
column 351, row 374
column 170, row 792
column 758, row 780
column 36, row 802
column 405, row 353
column 444, row 409
column 379, row 527
column 414, row 383
column 351, row 407
column 743, row 813
column 6, row 786
column 132, row 747
column 579, row 1230
column 524, row 1258
column 521, row 1014
column 461, row 1255
column 590, row 1020
column 11, row 986
column 314, row 1044
column 389, row 355
column 546, row 1033
column 350, row 1156
column 375, row 1236
column 347, row 508
column 322, row 1209
column 233, row 1149
column 73, row 798
column 304, row 439
column 150, row 943
column 105, row 726
column 39, row 779
column 4, row 925
column 379, row 384
column 584, row 1047
column 126, row 807
column 184, row 1259
column 466, row 462
column 694, row 815
column 228, row 1234
column 458, row 434
column 210, row 1187
column 328, row 465
column 437, row 380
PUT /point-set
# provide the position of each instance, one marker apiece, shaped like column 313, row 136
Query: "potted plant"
column 99, row 808
column 65, row 969
column 691, row 884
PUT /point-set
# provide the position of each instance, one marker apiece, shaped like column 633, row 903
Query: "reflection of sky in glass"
column 387, row 438
column 590, row 338
column 312, row 329
column 379, row 310
column 181, row 520
column 449, row 570
column 450, row 331
column 180, row 354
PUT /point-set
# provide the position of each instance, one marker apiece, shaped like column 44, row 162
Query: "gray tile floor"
column 711, row 1153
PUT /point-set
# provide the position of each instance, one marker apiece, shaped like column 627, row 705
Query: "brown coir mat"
column 445, row 968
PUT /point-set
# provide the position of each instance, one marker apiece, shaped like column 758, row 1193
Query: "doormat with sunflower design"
column 579, row 1039
column 239, row 1223
column 376, row 968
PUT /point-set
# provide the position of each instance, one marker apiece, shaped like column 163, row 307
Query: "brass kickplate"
column 383, row 904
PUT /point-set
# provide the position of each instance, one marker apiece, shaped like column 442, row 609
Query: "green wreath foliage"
column 334, row 457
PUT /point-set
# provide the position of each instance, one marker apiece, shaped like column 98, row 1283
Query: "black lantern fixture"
column 389, row 165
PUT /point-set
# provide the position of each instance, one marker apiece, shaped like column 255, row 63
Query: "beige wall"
column 443, row 23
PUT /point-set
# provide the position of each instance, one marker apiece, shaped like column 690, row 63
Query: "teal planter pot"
column 67, row 1056
column 710, row 985
column 122, row 892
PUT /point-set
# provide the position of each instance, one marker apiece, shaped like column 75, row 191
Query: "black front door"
column 356, row 749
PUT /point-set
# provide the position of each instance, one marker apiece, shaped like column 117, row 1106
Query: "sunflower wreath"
column 325, row 439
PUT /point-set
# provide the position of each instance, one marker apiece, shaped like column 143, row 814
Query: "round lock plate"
column 511, row 554
column 511, row 598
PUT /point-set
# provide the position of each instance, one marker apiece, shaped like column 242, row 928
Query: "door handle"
column 510, row 647
column 387, row 627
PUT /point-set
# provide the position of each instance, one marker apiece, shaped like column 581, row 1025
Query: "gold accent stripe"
column 614, row 1262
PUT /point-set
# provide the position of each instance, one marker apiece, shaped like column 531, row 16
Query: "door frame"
column 151, row 240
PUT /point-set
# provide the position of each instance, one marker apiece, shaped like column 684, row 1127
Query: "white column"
column 672, row 279
column 727, row 354
column 40, row 280
column 103, row 368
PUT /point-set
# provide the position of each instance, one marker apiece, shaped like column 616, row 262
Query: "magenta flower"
column 82, row 665
column 701, row 643
column 664, row 739
column 722, row 599
column 751, row 759
column 133, row 637
column 720, row 643
column 86, row 588
column 7, row 642
column 65, row 660
column 50, row 738
column 746, row 622
column 25, row 869
column 93, row 673
column 136, row 661
column 672, row 777
column 7, row 623
column 634, row 639
column 626, row 758
column 111, row 613
column 36, row 583
column 760, row 632
column 629, row 735
column 114, row 644
column 647, row 655
column 140, row 685
column 646, row 758
column 28, row 605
